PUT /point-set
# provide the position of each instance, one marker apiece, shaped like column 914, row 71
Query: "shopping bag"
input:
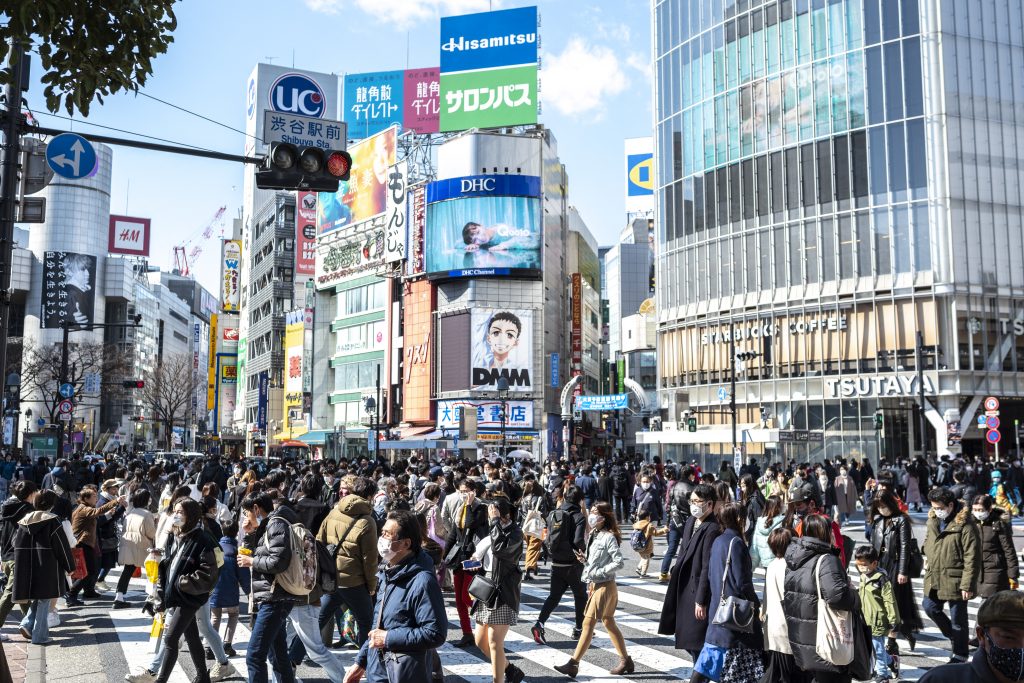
column 348, row 627
column 80, row 571
column 137, row 573
column 157, row 629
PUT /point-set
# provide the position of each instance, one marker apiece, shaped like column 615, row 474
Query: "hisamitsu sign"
column 489, row 39
column 607, row 402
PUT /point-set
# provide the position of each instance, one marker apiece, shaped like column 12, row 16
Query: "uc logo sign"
column 250, row 99
column 640, row 173
column 298, row 94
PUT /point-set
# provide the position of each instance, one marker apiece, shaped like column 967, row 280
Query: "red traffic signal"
column 290, row 167
column 133, row 384
column 339, row 164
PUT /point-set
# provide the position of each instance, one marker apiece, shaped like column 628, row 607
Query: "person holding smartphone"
column 470, row 527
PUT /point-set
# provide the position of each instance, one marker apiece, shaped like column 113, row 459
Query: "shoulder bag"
column 834, row 641
column 734, row 613
column 534, row 525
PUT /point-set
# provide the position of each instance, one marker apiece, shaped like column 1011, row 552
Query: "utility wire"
column 122, row 130
column 189, row 111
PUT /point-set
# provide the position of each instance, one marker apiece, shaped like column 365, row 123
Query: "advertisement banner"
column 488, row 414
column 608, row 402
column 294, row 334
column 227, row 390
column 128, row 236
column 418, row 364
column 422, row 105
column 231, row 274
column 489, row 39
column 263, row 399
column 483, row 233
column 395, row 237
column 417, row 228
column 69, row 290
column 639, row 175
column 373, row 102
column 576, row 338
column 364, row 195
column 484, row 186
column 211, row 365
column 348, row 252
column 230, row 336
column 501, row 345
column 489, row 99
column 229, row 374
column 241, row 361
column 305, row 232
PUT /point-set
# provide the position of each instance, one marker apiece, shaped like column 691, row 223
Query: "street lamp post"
column 503, row 395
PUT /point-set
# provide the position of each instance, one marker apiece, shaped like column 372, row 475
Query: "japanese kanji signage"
column 376, row 101
column 128, row 236
column 606, row 402
column 69, row 290
column 422, row 110
column 489, row 99
column 231, row 274
column 364, row 195
column 349, row 252
column 488, row 414
column 303, row 131
column 395, row 216
column 305, row 233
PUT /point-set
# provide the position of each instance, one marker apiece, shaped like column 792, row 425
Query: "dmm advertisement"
column 69, row 290
column 364, row 194
column 501, row 346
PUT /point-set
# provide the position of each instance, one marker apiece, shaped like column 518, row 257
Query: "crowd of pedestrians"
column 318, row 554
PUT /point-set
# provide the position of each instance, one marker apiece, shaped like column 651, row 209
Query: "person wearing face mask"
column 892, row 539
column 687, row 600
column 469, row 528
column 1000, row 654
column 951, row 545
column 566, row 543
column 409, row 618
column 999, row 565
column 646, row 498
column 846, row 495
column 803, row 504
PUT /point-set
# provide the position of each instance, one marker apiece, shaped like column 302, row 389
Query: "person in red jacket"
column 803, row 503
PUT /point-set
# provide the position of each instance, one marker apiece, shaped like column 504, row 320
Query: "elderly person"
column 83, row 526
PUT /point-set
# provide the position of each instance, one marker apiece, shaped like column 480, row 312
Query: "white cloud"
column 403, row 13
column 641, row 63
column 581, row 78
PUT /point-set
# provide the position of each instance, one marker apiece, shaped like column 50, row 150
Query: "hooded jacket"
column 42, row 556
column 801, row 598
column 351, row 521
column 139, row 536
column 410, row 608
column 954, row 556
column 760, row 554
column 999, row 561
column 10, row 514
column 190, row 573
column 271, row 546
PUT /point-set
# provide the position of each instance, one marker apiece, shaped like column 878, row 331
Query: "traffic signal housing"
column 133, row 384
column 288, row 167
column 879, row 423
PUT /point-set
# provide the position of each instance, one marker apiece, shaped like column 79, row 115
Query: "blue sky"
column 596, row 91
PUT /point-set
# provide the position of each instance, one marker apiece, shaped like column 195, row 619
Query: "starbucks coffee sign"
column 864, row 386
column 769, row 328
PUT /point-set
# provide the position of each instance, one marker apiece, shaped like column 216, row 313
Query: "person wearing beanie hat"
column 1000, row 655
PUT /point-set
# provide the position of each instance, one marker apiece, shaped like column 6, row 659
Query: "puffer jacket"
column 604, row 557
column 999, row 561
column 410, row 608
column 186, row 578
column 506, row 551
column 10, row 514
column 760, row 554
column 271, row 546
column 42, row 556
column 954, row 555
column 801, row 602
column 351, row 520
column 225, row 592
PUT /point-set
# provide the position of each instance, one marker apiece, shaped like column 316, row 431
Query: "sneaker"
column 537, row 630
column 663, row 578
column 53, row 620
column 25, row 633
column 72, row 601
column 102, row 586
column 221, row 671
column 144, row 676
column 121, row 604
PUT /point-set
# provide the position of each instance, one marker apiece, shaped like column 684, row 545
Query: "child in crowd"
column 648, row 530
column 224, row 598
column 878, row 604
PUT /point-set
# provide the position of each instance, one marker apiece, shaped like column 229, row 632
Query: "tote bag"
column 835, row 628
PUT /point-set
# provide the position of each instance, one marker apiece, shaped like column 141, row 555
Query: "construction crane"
column 197, row 241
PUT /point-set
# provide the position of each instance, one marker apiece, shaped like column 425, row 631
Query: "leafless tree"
column 40, row 371
column 168, row 392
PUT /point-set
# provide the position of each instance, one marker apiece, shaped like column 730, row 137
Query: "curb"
column 35, row 664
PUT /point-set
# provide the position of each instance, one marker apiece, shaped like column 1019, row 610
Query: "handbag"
column 534, row 524
column 736, row 614
column 81, row 570
column 834, row 642
column 915, row 560
column 484, row 590
column 862, row 667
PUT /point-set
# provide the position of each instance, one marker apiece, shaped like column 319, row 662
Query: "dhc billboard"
column 483, row 186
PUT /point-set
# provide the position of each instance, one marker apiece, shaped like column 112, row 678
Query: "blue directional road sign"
column 723, row 394
column 71, row 156
column 67, row 390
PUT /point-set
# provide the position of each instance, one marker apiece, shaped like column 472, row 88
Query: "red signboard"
column 576, row 359
column 305, row 233
column 128, row 236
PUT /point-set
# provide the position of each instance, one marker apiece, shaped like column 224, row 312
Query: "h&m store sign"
column 766, row 328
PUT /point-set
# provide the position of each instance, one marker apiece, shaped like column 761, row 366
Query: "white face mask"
column 696, row 510
column 842, row 473
column 594, row 520
column 942, row 513
column 178, row 519
column 645, row 485
column 980, row 516
column 384, row 549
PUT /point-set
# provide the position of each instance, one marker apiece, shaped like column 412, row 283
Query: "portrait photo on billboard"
column 502, row 346
column 483, row 233
column 69, row 290
column 364, row 195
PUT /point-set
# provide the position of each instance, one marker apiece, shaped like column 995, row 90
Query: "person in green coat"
column 952, row 546
column 878, row 605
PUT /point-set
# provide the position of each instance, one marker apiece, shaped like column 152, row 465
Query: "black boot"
column 513, row 674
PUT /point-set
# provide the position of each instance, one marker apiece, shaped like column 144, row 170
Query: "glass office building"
column 839, row 192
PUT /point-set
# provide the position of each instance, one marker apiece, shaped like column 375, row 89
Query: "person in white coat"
column 779, row 664
column 139, row 536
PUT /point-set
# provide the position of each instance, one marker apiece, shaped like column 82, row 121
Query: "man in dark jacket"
column 23, row 494
column 268, row 537
column 605, row 487
column 587, row 485
column 678, row 513
column 566, row 545
column 999, row 657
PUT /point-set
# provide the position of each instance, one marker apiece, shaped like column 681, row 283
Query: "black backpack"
column 620, row 480
column 560, row 530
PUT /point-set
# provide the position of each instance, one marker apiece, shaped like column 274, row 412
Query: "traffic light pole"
column 732, row 384
column 8, row 201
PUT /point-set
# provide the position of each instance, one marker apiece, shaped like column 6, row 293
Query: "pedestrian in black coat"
column 42, row 558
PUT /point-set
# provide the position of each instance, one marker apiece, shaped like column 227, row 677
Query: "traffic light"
column 133, row 384
column 287, row 167
column 691, row 424
column 746, row 355
column 879, row 423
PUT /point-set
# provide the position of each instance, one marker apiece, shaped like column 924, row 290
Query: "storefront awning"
column 317, row 437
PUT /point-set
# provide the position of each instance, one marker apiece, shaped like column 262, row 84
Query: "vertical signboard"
column 395, row 218
column 305, row 232
column 294, row 348
column 129, row 236
column 639, row 175
column 263, row 400
column 231, row 274
column 576, row 336
column 422, row 108
column 211, row 365
column 417, row 226
column 69, row 290
column 417, row 366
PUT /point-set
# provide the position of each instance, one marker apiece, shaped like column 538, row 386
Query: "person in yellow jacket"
column 648, row 530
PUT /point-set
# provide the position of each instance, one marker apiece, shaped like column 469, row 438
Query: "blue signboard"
column 373, row 102
column 554, row 370
column 71, row 156
column 608, row 402
column 67, row 390
column 263, row 400
column 489, row 39
column 639, row 174
column 484, row 186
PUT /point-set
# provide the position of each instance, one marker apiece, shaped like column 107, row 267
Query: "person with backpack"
column 678, row 513
column 566, row 544
column 533, row 510
column 267, row 550
column 646, row 498
column 622, row 487
column 642, row 541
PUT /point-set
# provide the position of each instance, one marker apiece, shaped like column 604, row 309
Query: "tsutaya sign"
column 877, row 385
column 767, row 328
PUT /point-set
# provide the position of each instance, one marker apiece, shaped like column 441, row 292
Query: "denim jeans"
column 359, row 602
column 882, row 658
column 35, row 620
column 209, row 633
column 953, row 626
column 674, row 537
column 268, row 639
column 305, row 620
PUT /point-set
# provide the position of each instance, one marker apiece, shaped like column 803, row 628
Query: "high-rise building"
column 839, row 193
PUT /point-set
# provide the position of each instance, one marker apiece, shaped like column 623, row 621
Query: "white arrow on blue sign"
column 71, row 156
column 67, row 390
column 723, row 394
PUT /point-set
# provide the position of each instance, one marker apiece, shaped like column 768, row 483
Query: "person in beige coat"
column 139, row 536
column 846, row 495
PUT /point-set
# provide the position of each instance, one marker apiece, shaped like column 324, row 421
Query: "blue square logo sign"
column 489, row 39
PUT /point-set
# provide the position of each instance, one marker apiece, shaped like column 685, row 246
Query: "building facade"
column 839, row 193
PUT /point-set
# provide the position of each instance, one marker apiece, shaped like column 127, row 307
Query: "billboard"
column 231, row 275
column 488, row 414
column 364, row 195
column 395, row 235
column 639, row 175
column 305, row 232
column 489, row 99
column 69, row 290
column 417, row 364
column 501, row 345
column 421, row 108
column 373, row 102
column 483, row 236
column 211, row 365
column 294, row 334
column 489, row 39
column 129, row 236
column 417, row 226
column 286, row 90
column 348, row 252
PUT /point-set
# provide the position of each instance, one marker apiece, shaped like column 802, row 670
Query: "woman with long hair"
column 891, row 537
column 603, row 559
column 533, row 510
column 753, row 502
column 774, row 512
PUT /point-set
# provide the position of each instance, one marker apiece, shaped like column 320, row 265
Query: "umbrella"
column 520, row 453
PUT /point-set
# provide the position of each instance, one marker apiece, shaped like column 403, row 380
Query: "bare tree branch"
column 168, row 392
column 40, row 372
